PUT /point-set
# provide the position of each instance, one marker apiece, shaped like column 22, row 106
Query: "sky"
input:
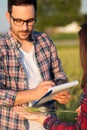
column 3, row 8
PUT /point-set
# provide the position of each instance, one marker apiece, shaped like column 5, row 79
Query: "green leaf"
column 35, row 110
column 67, row 116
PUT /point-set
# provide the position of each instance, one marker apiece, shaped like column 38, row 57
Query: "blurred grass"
column 70, row 59
column 64, row 36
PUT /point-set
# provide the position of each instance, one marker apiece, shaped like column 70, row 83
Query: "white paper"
column 54, row 90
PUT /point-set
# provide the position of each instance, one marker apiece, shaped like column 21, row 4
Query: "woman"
column 51, row 123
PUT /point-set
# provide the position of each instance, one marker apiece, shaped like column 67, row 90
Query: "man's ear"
column 8, row 16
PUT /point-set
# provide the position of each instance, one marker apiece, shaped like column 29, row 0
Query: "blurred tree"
column 57, row 12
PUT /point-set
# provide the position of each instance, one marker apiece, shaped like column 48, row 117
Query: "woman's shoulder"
column 83, row 98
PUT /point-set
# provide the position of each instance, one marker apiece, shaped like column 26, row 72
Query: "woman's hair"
column 21, row 2
column 83, row 52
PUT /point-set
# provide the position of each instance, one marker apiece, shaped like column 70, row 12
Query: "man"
column 29, row 65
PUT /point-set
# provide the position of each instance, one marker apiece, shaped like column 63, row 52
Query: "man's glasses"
column 20, row 22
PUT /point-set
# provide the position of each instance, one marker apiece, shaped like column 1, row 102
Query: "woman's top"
column 81, row 124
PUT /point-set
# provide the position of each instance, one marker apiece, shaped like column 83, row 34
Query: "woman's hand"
column 78, row 110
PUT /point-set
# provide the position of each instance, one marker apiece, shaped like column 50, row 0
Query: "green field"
column 70, row 59
column 64, row 36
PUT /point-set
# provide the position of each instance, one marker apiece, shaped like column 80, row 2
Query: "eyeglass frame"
column 24, row 21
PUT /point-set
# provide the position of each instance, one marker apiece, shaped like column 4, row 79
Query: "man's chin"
column 23, row 37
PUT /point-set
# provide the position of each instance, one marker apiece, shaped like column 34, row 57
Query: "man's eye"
column 18, row 21
column 31, row 20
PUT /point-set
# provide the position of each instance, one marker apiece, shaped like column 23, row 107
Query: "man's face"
column 22, row 20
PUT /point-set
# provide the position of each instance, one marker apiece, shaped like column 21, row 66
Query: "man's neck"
column 26, row 46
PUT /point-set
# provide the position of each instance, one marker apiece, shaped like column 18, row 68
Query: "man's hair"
column 21, row 2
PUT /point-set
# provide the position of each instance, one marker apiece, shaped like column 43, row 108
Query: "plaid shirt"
column 81, row 124
column 13, row 77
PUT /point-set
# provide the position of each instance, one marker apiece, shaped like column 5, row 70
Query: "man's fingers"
column 47, row 83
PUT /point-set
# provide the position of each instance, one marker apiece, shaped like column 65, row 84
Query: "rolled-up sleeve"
column 57, row 69
column 7, row 97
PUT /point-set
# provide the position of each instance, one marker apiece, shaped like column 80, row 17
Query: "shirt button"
column 25, row 82
column 12, row 46
column 18, row 45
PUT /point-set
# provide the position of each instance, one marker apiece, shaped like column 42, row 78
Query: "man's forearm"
column 24, row 97
column 33, row 94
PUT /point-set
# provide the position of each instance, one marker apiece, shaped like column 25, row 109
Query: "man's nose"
column 25, row 25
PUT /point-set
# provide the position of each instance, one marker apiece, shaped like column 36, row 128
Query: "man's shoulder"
column 42, row 36
column 3, row 36
column 3, row 40
column 38, row 33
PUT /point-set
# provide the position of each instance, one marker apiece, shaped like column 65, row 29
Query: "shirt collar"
column 12, row 41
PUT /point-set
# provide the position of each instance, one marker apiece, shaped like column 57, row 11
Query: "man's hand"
column 62, row 97
column 33, row 94
column 42, row 88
